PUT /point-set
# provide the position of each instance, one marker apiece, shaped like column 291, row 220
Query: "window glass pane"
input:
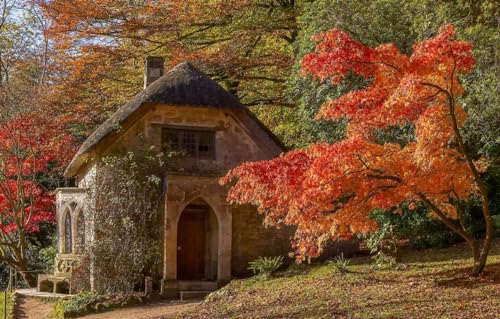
column 170, row 140
column 206, row 147
column 189, row 143
column 68, row 248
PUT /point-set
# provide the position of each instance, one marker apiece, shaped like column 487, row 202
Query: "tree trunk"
column 28, row 277
column 480, row 261
column 479, row 256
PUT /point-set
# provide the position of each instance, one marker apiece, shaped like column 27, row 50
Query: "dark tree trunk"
column 480, row 257
column 29, row 278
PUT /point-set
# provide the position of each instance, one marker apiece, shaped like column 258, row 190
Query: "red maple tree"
column 328, row 191
column 30, row 147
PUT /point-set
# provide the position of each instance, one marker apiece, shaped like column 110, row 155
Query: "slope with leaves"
column 428, row 284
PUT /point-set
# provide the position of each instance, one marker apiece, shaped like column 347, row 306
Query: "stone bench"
column 53, row 284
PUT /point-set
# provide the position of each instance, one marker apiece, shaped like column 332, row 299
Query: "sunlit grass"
column 2, row 304
column 431, row 283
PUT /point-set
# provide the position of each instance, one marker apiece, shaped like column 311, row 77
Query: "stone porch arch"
column 174, row 209
column 73, row 210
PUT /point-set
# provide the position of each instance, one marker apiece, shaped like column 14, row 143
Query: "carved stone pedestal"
column 59, row 282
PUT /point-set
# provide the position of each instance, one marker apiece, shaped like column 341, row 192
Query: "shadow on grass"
column 460, row 278
column 458, row 251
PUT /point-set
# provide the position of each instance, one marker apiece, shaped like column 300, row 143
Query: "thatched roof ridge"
column 183, row 85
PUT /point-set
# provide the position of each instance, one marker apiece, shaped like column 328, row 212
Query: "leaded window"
column 196, row 144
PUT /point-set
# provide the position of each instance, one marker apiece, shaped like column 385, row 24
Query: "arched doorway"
column 197, row 242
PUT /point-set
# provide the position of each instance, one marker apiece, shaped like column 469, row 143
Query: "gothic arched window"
column 68, row 245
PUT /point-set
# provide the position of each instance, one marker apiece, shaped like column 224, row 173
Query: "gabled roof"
column 183, row 85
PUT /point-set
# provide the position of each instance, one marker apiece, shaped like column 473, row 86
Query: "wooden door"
column 191, row 244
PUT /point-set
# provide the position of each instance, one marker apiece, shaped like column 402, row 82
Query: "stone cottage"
column 205, row 240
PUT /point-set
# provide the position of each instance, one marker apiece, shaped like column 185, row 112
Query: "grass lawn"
column 2, row 310
column 432, row 284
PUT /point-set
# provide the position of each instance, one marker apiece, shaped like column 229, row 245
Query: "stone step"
column 196, row 285
column 193, row 294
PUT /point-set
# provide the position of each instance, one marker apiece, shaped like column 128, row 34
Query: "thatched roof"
column 182, row 85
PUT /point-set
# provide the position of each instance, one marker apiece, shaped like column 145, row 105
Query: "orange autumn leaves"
column 327, row 191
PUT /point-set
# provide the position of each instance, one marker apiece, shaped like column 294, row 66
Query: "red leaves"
column 442, row 51
column 38, row 206
column 397, row 93
column 30, row 146
column 337, row 54
column 327, row 191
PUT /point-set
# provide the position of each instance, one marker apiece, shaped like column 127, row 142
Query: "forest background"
column 66, row 66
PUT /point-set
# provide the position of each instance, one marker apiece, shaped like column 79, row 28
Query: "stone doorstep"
column 196, row 285
column 193, row 295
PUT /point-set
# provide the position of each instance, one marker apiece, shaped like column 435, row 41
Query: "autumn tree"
column 244, row 45
column 28, row 150
column 328, row 190
column 33, row 150
column 33, row 144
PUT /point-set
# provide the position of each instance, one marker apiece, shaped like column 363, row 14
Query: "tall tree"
column 403, row 23
column 245, row 45
column 33, row 145
column 328, row 190
column 28, row 151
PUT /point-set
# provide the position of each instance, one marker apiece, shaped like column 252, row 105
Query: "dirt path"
column 28, row 307
column 31, row 308
column 159, row 310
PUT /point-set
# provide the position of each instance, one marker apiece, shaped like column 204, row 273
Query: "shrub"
column 384, row 261
column 340, row 264
column 76, row 305
column 415, row 226
column 265, row 266
column 47, row 255
column 127, row 206
column 88, row 302
column 383, row 245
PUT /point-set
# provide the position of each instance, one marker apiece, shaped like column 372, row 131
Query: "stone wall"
column 251, row 239
column 234, row 141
